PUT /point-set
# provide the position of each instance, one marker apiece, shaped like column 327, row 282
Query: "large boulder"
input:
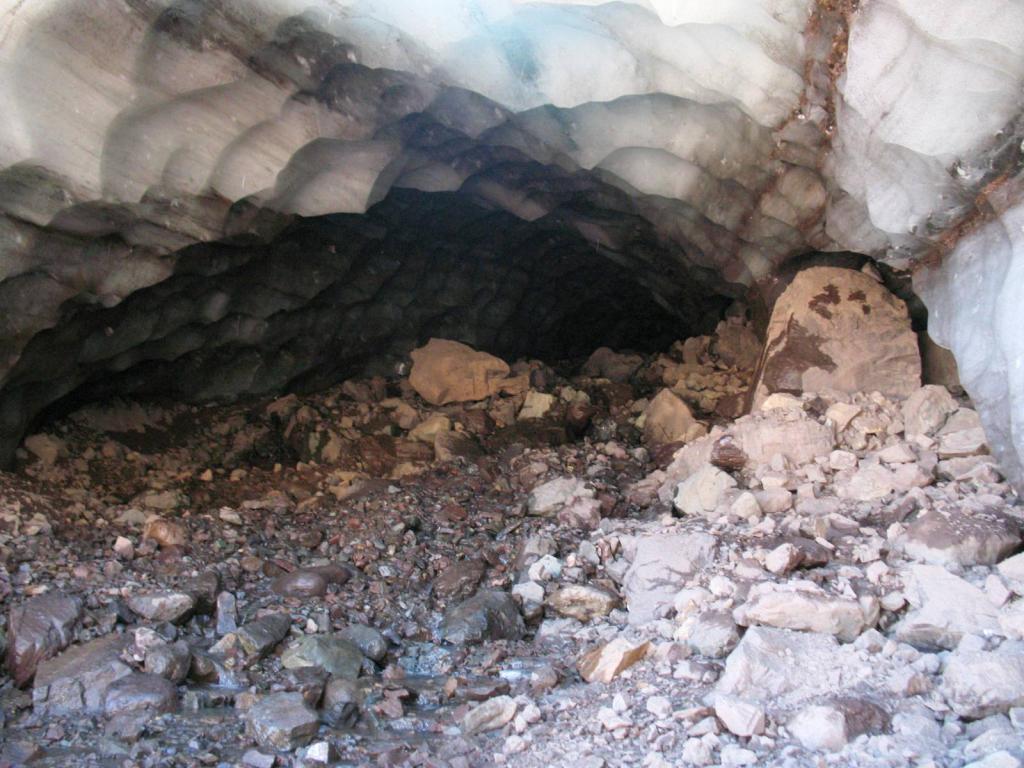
column 449, row 372
column 838, row 330
column 76, row 682
column 661, row 564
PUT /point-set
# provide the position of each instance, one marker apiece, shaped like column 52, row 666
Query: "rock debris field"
column 587, row 564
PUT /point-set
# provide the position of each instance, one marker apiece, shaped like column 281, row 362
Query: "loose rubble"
column 595, row 564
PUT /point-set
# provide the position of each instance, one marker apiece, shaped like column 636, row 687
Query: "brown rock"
column 300, row 583
column 601, row 665
column 668, row 419
column 607, row 364
column 39, row 629
column 166, row 533
column 838, row 330
column 449, row 372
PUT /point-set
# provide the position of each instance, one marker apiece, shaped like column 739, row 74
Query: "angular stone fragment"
column 488, row 615
column 583, row 602
column 712, row 633
column 261, row 636
column 838, row 330
column 336, row 656
column 163, row 605
column 37, row 630
column 982, row 683
column 945, row 608
column 668, row 419
column 602, row 664
column 536, row 405
column 740, row 717
column 607, row 364
column 660, row 567
column 805, row 608
column 77, row 680
column 702, row 492
column 449, row 372
column 960, row 538
column 489, row 715
column 140, row 693
column 549, row 497
column 169, row 660
column 819, row 727
column 282, row 721
column 369, row 640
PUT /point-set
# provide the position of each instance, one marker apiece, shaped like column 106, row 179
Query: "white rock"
column 819, row 728
column 555, row 494
column 660, row 566
column 945, row 609
column 981, row 683
column 926, row 410
column 702, row 492
column 742, row 718
column 536, row 405
column 804, row 607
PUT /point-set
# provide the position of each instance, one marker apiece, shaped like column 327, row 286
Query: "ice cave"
column 456, row 383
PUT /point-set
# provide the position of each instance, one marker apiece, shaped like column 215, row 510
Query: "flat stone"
column 967, row 442
column 804, row 607
column 982, row 683
column 428, row 429
column 489, row 715
column 488, row 615
column 945, row 608
column 660, row 566
column 282, row 721
column 163, row 606
column 926, row 410
column 869, row 483
column 603, row 664
column 76, row 681
column 960, row 539
column 336, row 656
column 583, row 602
column 140, row 693
column 39, row 629
column 606, row 363
column 550, row 497
column 537, row 405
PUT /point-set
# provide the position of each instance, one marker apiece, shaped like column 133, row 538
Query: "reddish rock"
column 39, row 629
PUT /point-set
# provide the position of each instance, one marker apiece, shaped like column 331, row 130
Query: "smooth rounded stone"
column 337, row 656
column 166, row 533
column 712, row 633
column 300, row 583
column 746, row 507
column 282, row 721
column 39, row 629
column 774, row 501
column 77, row 680
column 488, row 615
column 604, row 663
column 809, row 608
column 164, row 605
column 957, row 538
column 742, row 718
column 140, row 693
column 446, row 371
column 169, row 660
column 369, row 640
column 982, row 683
column 819, row 728
column 489, row 715
column 701, row 493
column 838, row 330
column 667, row 419
column 583, row 602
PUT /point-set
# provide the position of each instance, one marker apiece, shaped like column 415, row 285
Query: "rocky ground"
column 478, row 564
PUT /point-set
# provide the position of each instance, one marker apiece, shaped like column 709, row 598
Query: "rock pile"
column 517, row 564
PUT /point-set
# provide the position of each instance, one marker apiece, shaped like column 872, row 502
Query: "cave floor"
column 179, row 536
